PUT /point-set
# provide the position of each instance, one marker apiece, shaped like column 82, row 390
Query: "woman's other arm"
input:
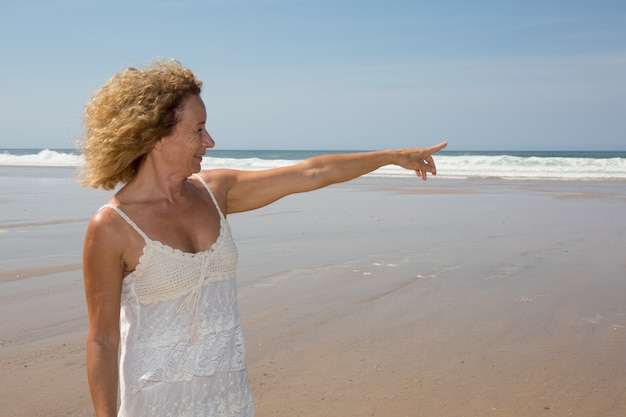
column 103, row 274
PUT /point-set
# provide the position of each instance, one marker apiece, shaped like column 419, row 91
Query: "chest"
column 190, row 228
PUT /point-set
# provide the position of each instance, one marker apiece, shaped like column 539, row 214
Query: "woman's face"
column 190, row 139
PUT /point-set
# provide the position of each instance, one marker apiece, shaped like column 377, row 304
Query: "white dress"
column 182, row 349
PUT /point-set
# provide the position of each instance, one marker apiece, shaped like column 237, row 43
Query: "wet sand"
column 380, row 297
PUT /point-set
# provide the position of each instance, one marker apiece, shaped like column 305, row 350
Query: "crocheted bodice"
column 182, row 348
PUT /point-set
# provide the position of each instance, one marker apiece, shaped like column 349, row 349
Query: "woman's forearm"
column 102, row 374
column 336, row 168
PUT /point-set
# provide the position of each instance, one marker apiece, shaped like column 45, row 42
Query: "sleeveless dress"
column 181, row 345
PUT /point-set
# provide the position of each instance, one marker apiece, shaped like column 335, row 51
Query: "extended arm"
column 103, row 277
column 248, row 190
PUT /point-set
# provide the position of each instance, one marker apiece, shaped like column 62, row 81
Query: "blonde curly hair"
column 128, row 115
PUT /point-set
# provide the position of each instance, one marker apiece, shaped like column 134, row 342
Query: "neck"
column 154, row 181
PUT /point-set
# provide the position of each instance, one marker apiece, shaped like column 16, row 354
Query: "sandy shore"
column 373, row 298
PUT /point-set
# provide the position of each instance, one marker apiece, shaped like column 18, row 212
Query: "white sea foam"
column 449, row 166
column 515, row 167
column 44, row 158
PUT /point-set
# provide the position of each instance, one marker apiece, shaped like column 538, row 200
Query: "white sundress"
column 182, row 351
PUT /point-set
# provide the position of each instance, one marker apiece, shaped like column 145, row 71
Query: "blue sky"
column 333, row 74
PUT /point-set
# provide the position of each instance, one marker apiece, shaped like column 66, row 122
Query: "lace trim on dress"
column 169, row 278
column 183, row 361
column 218, row 396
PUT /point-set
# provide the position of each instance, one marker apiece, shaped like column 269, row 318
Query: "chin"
column 197, row 166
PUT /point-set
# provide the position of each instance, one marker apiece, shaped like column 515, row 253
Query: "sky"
column 332, row 74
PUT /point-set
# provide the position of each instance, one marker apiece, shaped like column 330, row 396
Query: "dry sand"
column 374, row 298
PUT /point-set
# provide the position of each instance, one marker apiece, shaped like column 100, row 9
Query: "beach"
column 379, row 297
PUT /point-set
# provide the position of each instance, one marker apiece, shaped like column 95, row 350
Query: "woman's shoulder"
column 218, row 180
column 111, row 235
column 107, row 220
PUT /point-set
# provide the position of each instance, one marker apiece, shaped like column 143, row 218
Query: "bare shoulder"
column 220, row 181
column 105, row 221
column 220, row 178
column 111, row 240
column 106, row 229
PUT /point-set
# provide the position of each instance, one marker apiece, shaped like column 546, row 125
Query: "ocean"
column 509, row 165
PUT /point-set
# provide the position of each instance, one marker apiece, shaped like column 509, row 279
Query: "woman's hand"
column 420, row 160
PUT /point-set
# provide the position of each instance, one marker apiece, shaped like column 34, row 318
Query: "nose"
column 207, row 140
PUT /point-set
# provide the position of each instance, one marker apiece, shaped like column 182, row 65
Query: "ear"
column 158, row 145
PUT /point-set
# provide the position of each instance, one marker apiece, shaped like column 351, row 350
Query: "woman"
column 159, row 262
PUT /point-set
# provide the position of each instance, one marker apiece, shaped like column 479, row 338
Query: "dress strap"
column 211, row 194
column 128, row 220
